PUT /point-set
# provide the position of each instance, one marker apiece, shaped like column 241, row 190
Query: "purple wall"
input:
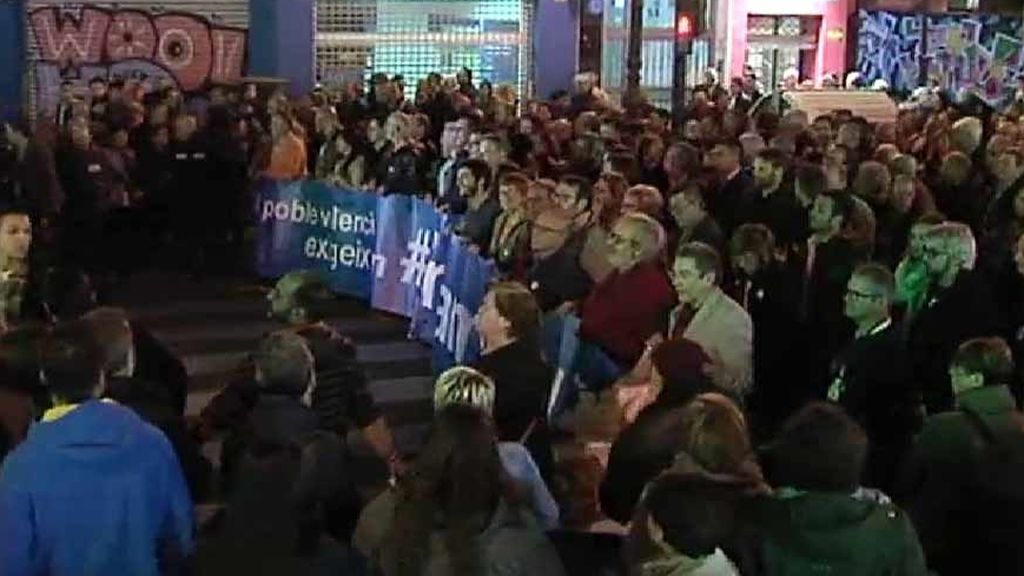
column 555, row 45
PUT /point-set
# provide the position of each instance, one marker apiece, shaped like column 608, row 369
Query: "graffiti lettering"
column 187, row 48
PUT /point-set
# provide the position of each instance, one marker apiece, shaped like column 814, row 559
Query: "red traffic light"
column 685, row 27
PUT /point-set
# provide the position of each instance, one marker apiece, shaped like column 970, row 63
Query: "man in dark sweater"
column 871, row 376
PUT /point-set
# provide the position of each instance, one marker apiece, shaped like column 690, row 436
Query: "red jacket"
column 624, row 310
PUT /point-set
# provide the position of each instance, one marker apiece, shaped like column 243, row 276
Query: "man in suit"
column 827, row 263
column 726, row 203
column 774, row 203
column 707, row 316
column 871, row 376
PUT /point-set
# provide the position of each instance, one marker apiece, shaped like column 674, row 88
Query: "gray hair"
column 283, row 363
column 651, row 233
column 957, row 238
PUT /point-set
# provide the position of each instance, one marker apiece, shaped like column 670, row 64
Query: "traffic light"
column 686, row 27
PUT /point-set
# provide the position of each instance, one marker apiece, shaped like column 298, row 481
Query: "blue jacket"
column 94, row 491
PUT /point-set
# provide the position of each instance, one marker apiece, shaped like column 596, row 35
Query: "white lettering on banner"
column 331, row 218
column 454, row 324
column 348, row 255
column 418, row 269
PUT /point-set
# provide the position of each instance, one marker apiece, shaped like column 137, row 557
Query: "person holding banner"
column 510, row 243
column 509, row 326
column 477, row 226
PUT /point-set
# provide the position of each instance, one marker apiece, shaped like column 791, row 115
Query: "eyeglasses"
column 931, row 251
column 617, row 238
column 862, row 295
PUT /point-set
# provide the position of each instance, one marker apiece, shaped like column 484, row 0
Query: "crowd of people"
column 766, row 344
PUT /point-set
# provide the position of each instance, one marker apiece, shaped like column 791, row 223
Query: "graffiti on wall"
column 979, row 53
column 889, row 47
column 79, row 44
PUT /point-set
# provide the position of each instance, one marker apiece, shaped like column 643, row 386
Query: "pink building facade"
column 773, row 35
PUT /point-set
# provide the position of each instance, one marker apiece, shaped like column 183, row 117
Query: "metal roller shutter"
column 192, row 41
column 493, row 38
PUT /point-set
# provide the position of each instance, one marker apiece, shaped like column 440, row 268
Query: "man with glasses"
column 959, row 306
column 707, row 316
column 633, row 302
column 871, row 376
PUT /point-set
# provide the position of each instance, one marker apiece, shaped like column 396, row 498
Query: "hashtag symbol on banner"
column 414, row 265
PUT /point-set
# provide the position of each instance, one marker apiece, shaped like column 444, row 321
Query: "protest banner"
column 396, row 252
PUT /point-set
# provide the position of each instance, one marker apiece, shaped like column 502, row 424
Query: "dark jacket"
column 780, row 212
column 189, row 171
column 153, row 403
column 835, row 533
column 871, row 380
column 962, row 311
column 640, row 452
column 290, row 476
column 477, row 225
column 87, row 181
column 155, row 363
column 402, row 173
column 707, row 231
column 726, row 204
column 772, row 298
column 512, row 543
column 936, row 479
column 560, row 277
column 523, row 384
column 340, row 399
column 824, row 289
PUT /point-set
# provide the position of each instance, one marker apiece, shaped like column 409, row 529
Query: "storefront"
column 355, row 38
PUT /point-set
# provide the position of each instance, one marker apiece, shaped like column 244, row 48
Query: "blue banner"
column 396, row 252
column 313, row 226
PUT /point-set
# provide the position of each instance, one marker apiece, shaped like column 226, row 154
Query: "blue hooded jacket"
column 94, row 491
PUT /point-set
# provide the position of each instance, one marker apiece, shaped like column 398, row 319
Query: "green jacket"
column 935, row 483
column 806, row 533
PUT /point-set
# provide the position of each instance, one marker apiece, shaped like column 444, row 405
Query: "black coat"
column 155, row 363
column 871, row 379
column 727, row 203
column 87, row 180
column 523, row 386
column 642, row 450
column 828, row 329
column 154, row 404
column 292, row 477
column 772, row 298
column 780, row 212
column 964, row 310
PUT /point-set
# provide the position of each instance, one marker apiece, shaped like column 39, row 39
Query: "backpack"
column 994, row 515
column 275, row 515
